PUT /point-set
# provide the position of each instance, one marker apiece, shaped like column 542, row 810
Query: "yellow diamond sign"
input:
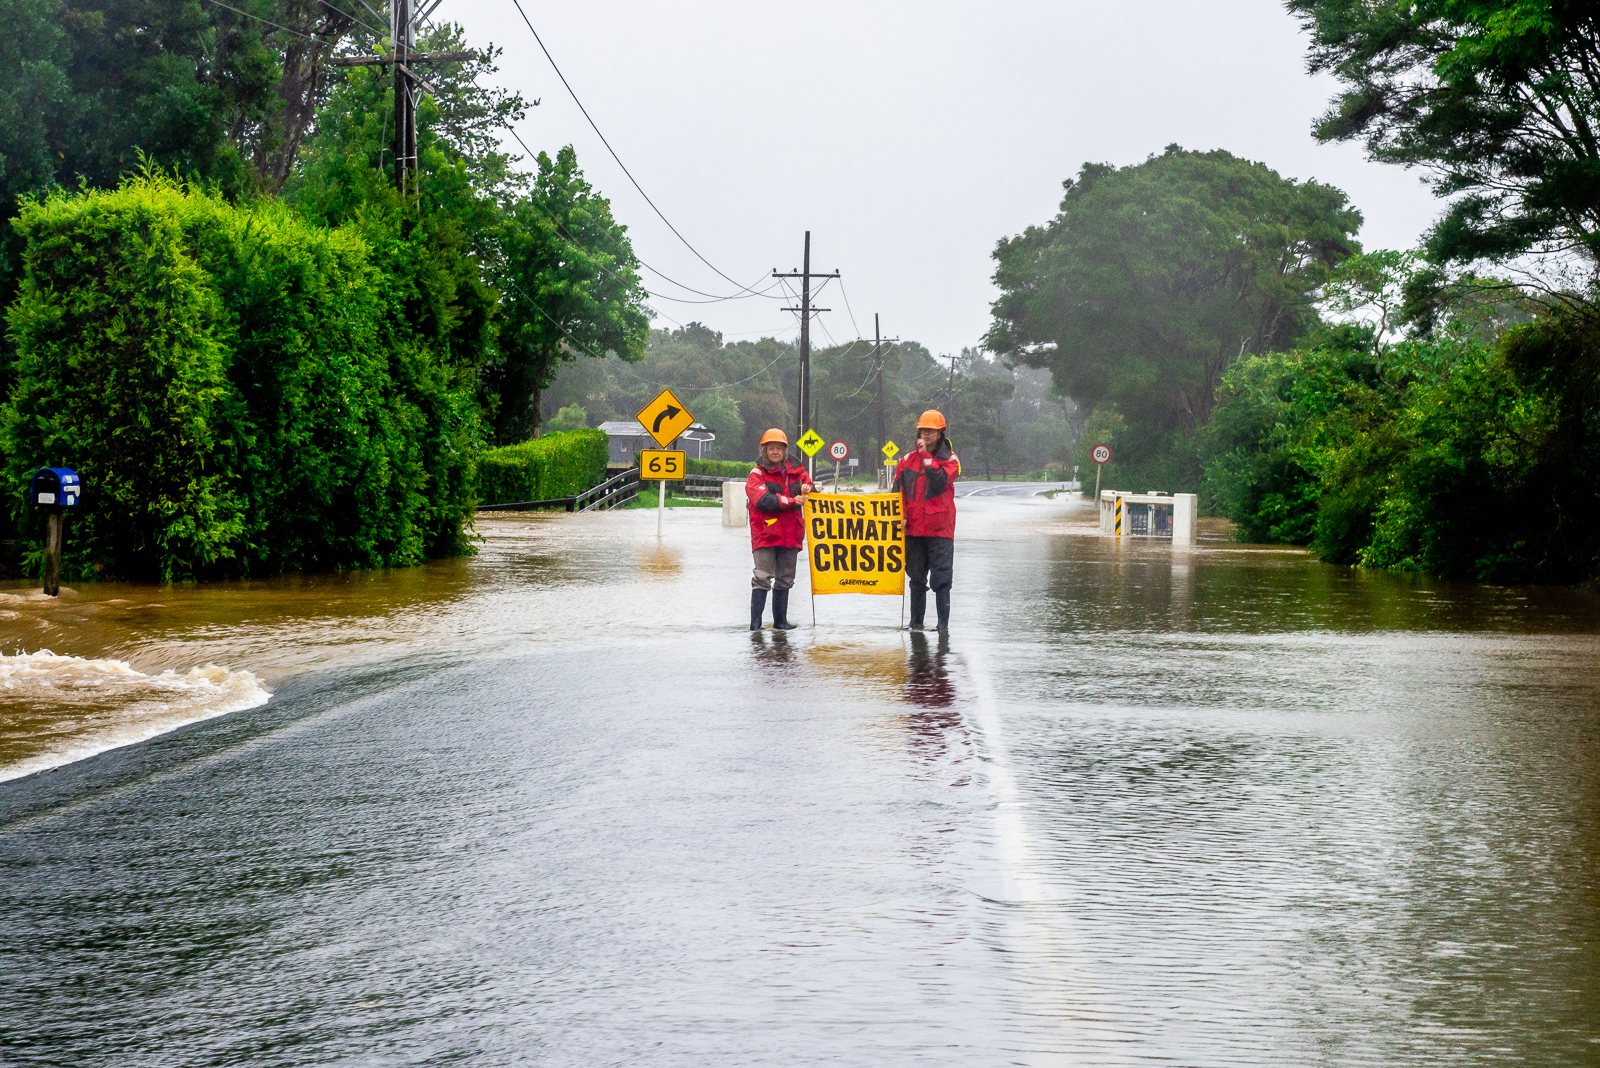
column 665, row 418
column 890, row 449
column 810, row 441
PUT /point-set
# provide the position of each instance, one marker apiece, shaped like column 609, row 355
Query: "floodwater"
column 555, row 805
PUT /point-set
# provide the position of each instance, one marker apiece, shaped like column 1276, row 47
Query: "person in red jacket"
column 926, row 479
column 776, row 492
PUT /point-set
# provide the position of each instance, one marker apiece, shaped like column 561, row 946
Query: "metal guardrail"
column 708, row 486
column 618, row 489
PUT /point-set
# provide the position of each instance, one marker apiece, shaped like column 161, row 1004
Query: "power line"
column 600, row 267
column 847, row 308
column 603, row 141
column 354, row 17
column 719, row 385
column 751, row 291
column 269, row 22
column 713, row 300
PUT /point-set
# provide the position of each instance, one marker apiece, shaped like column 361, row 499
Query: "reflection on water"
column 927, row 680
column 555, row 804
column 660, row 563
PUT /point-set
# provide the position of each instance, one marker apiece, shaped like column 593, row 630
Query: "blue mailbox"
column 55, row 485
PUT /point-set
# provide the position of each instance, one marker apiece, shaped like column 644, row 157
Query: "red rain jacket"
column 774, row 505
column 927, row 492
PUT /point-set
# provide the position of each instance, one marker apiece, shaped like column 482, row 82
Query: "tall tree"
column 1498, row 99
column 571, row 288
column 1154, row 277
column 207, row 90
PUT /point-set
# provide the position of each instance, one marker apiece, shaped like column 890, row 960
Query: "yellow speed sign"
column 665, row 464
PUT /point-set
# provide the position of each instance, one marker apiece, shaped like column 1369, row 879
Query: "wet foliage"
column 556, row 465
column 1453, row 455
column 1152, row 279
column 241, row 392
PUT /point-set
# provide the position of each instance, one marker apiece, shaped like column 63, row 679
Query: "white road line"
column 1058, row 987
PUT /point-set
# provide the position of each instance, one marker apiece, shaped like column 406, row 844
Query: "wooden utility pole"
column 404, row 35
column 803, row 412
column 54, row 520
column 407, row 85
column 877, row 369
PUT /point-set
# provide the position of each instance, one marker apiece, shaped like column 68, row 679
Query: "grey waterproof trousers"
column 775, row 568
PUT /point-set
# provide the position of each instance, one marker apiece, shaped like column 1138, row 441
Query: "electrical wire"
column 747, row 290
column 702, row 389
column 570, row 92
column 713, row 300
column 847, row 307
column 356, row 18
column 659, row 296
column 750, row 290
column 269, row 22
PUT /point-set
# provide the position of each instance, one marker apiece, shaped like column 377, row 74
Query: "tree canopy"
column 1154, row 277
column 1499, row 100
column 572, row 290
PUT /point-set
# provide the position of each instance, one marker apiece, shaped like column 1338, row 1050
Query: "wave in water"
column 57, row 709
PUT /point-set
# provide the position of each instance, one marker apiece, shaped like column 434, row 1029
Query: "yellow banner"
column 856, row 542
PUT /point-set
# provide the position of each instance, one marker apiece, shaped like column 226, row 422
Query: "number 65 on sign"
column 666, row 464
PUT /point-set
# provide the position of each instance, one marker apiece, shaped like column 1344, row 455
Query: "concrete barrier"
column 1150, row 515
column 733, row 505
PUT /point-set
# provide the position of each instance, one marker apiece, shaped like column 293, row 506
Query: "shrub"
column 241, row 392
column 572, row 417
column 726, row 468
column 556, row 465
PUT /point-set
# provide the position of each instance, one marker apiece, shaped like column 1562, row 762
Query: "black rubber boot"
column 919, row 606
column 780, row 610
column 941, row 599
column 758, row 603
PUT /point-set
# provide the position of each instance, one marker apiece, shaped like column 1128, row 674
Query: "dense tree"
column 1154, row 277
column 242, row 392
column 203, row 90
column 1499, row 100
column 572, row 290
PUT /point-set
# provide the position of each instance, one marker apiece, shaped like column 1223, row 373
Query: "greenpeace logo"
column 858, row 582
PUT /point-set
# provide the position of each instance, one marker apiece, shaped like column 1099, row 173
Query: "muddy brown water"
column 553, row 804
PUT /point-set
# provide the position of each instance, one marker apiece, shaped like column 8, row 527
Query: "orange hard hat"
column 774, row 435
column 932, row 419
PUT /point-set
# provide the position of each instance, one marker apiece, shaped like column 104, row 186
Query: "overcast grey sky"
column 908, row 137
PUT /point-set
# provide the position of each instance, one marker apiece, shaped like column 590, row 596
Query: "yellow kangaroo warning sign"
column 856, row 543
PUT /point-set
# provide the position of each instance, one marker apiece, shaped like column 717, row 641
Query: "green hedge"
column 241, row 392
column 558, row 465
column 728, row 468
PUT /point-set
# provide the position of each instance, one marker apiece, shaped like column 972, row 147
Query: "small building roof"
column 629, row 428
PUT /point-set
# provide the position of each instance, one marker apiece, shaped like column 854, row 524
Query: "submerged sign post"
column 663, row 419
column 856, row 543
column 1101, row 455
column 840, row 453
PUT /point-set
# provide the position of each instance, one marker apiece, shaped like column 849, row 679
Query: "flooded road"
column 555, row 805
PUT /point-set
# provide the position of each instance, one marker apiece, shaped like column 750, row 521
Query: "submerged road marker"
column 664, row 418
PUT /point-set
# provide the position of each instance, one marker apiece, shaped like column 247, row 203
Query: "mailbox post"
column 54, row 489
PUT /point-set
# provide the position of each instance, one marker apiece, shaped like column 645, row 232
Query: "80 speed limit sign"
column 1101, row 454
column 839, row 451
